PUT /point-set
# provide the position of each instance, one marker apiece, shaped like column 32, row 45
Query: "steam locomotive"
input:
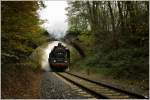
column 59, row 58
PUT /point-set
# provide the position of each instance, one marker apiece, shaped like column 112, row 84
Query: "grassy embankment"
column 23, row 79
column 20, row 81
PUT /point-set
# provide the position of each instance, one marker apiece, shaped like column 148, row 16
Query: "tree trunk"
column 112, row 16
column 121, row 17
column 114, row 35
column 131, row 11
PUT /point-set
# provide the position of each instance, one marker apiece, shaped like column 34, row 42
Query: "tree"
column 21, row 32
column 119, row 22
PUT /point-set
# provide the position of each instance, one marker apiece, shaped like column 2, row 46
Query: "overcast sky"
column 54, row 13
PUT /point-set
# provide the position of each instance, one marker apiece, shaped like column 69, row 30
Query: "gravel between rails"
column 52, row 87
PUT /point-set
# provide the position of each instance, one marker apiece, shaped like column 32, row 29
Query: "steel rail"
column 134, row 95
column 96, row 93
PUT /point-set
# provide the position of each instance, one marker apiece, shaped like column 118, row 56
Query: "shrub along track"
column 97, row 89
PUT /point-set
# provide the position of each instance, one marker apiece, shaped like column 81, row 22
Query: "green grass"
column 122, row 63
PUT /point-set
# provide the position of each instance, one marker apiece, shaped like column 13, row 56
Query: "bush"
column 122, row 63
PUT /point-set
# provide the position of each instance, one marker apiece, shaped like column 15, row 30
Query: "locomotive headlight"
column 65, row 61
column 54, row 60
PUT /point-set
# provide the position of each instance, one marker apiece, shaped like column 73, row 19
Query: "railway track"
column 99, row 90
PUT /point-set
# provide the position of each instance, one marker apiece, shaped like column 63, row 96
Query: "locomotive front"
column 59, row 58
